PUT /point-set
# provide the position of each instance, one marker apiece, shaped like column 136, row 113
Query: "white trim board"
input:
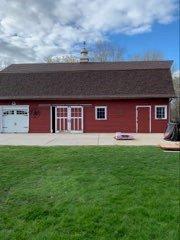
column 51, row 130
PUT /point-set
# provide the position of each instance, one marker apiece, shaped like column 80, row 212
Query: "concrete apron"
column 85, row 139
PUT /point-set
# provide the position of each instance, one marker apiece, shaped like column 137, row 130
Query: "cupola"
column 84, row 54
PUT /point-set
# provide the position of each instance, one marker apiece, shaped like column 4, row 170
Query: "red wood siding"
column 39, row 118
column 121, row 114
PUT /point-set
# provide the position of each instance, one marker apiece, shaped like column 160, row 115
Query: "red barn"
column 86, row 97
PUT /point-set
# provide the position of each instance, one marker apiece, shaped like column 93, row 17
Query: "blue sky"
column 164, row 38
column 32, row 30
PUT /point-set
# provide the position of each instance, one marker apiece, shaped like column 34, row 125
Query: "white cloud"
column 33, row 29
column 176, row 73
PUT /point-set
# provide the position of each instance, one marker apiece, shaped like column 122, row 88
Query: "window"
column 8, row 112
column 101, row 113
column 22, row 112
column 160, row 112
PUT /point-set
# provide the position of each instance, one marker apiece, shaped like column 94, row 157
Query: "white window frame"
column 101, row 119
column 165, row 112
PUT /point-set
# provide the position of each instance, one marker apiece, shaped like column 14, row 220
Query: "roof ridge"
column 109, row 62
column 80, row 70
column 92, row 66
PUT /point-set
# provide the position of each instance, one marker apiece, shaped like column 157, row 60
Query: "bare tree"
column 61, row 59
column 4, row 64
column 101, row 51
column 175, row 103
column 150, row 55
column 106, row 52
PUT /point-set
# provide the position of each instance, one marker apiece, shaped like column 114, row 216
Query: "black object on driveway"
column 172, row 132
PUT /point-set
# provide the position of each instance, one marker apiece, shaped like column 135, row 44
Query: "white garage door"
column 15, row 119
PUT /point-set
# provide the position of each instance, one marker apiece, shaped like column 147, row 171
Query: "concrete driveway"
column 44, row 139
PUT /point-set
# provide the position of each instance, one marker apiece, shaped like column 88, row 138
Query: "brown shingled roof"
column 90, row 66
column 79, row 82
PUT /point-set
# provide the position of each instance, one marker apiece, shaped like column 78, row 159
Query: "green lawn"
column 82, row 193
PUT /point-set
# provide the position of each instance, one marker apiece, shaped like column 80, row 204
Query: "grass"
column 83, row 193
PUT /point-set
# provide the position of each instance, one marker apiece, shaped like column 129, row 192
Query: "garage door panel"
column 15, row 119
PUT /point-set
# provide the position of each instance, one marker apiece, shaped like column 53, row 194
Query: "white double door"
column 69, row 119
column 14, row 119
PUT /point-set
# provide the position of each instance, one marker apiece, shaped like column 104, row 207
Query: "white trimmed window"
column 161, row 112
column 101, row 113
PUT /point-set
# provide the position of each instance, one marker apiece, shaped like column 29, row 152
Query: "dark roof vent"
column 84, row 54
